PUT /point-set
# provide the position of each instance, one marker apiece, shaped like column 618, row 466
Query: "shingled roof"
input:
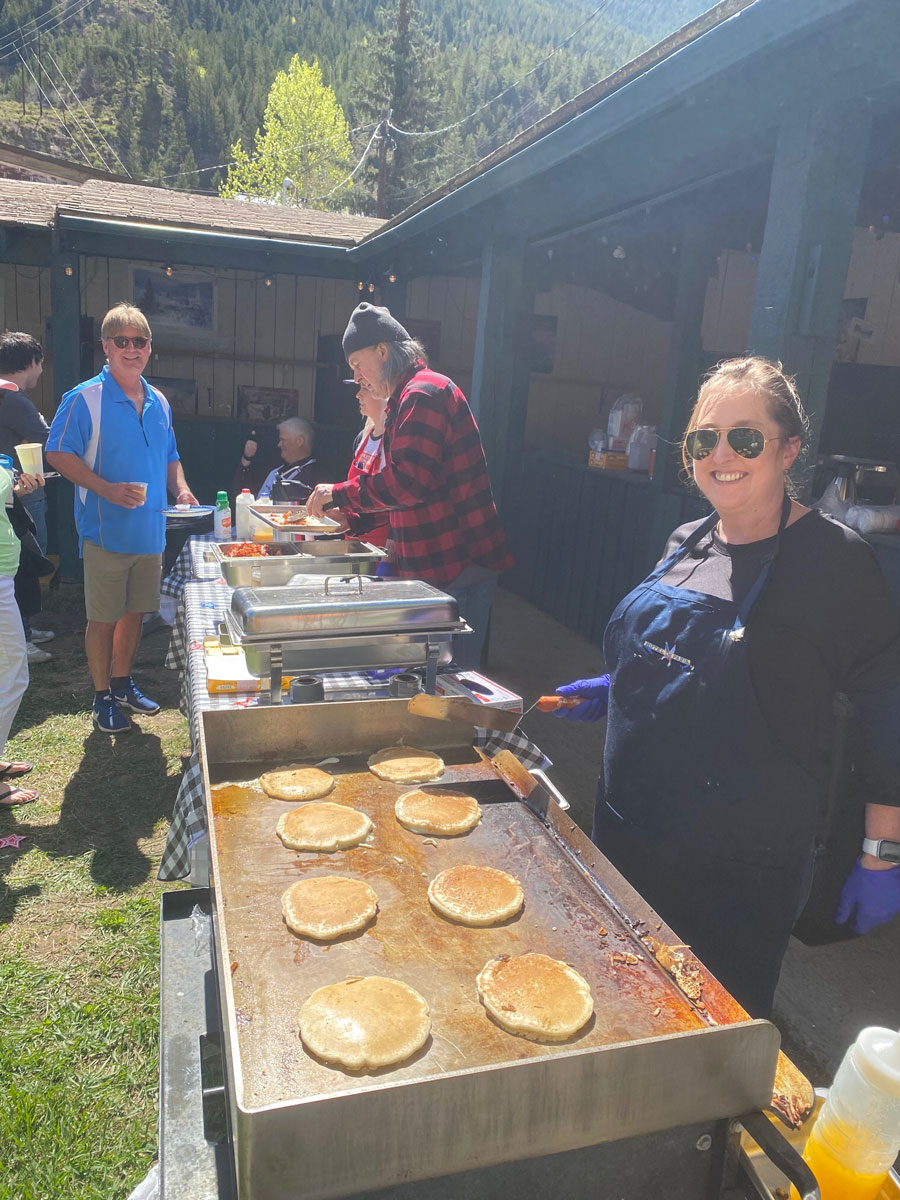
column 38, row 204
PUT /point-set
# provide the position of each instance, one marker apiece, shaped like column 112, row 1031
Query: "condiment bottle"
column 242, row 514
column 856, row 1136
column 222, row 518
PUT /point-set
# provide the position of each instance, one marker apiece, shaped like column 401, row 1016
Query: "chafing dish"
column 269, row 515
column 341, row 623
column 639, row 1104
column 285, row 560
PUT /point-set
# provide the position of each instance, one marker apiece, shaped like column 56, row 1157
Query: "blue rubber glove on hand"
column 869, row 897
column 385, row 570
column 596, row 699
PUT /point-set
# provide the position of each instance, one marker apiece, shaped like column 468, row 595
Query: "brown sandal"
column 14, row 770
column 16, row 795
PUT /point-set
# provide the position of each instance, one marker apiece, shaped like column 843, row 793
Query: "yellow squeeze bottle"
column 856, row 1136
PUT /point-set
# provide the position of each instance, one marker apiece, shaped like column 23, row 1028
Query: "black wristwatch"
column 881, row 848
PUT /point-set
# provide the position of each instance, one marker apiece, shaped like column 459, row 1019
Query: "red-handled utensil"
column 553, row 703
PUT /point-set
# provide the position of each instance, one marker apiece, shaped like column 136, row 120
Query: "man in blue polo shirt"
column 112, row 437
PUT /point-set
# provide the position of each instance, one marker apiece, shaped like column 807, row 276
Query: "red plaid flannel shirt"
column 434, row 484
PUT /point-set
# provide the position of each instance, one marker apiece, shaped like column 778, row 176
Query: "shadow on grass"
column 113, row 801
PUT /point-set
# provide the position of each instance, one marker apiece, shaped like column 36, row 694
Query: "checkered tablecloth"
column 200, row 609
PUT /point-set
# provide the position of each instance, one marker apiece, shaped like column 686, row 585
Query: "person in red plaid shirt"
column 444, row 526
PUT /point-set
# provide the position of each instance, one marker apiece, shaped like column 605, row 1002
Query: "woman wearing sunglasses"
column 723, row 669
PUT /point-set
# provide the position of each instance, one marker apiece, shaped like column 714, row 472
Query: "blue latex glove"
column 596, row 699
column 385, row 569
column 869, row 897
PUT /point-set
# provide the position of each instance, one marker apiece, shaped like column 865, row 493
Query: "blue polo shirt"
column 98, row 422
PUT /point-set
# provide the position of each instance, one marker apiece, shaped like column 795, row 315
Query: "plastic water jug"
column 242, row 514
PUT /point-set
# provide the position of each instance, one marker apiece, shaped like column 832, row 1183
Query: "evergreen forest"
column 173, row 91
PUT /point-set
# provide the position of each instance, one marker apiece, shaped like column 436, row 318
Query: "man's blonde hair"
column 124, row 316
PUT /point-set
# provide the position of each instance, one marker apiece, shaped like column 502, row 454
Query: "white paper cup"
column 31, row 458
column 143, row 488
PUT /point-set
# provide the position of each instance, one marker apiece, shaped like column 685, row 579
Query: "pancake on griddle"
column 475, row 895
column 441, row 811
column 365, row 1022
column 328, row 906
column 535, row 996
column 404, row 764
column 297, row 783
column 324, row 826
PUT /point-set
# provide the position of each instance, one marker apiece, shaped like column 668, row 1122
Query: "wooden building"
column 736, row 189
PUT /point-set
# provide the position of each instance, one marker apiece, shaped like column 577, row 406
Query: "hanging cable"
column 88, row 113
column 33, row 36
column 456, row 124
column 299, row 146
column 56, row 112
column 344, row 182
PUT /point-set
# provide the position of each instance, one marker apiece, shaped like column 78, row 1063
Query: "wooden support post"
column 682, row 374
column 813, row 201
column 64, row 340
column 501, row 372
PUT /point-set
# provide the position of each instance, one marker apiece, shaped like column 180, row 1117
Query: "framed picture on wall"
column 184, row 301
column 180, row 393
column 266, row 404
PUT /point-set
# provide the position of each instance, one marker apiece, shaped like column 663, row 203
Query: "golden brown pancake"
column 328, row 906
column 535, row 996
column 475, row 895
column 439, row 810
column 297, row 783
column 365, row 1023
column 404, row 764
column 323, row 826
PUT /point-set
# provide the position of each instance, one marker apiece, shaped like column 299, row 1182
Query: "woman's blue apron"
column 700, row 806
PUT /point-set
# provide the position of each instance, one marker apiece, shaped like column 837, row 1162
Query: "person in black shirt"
column 724, row 667
column 292, row 482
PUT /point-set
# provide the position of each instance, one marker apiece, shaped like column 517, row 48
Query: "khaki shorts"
column 115, row 584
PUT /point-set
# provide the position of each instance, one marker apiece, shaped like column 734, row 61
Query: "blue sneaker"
column 107, row 717
column 134, row 699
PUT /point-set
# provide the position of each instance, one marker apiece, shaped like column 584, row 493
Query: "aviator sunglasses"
column 748, row 443
column 124, row 342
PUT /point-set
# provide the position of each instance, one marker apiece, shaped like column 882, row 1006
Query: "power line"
column 75, row 118
column 344, row 182
column 33, row 36
column 88, row 113
column 300, row 146
column 456, row 124
column 39, row 23
column 56, row 111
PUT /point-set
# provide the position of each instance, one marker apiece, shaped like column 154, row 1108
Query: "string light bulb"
column 360, row 285
column 70, row 271
column 170, row 270
column 392, row 278
column 267, row 281
column 371, row 287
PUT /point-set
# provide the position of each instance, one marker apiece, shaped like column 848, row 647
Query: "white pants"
column 13, row 659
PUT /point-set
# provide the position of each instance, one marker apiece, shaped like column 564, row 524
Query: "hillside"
column 161, row 89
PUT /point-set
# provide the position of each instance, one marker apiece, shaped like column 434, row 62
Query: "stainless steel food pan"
column 349, row 557
column 342, row 605
column 269, row 514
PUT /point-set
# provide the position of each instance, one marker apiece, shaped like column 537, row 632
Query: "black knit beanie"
column 369, row 325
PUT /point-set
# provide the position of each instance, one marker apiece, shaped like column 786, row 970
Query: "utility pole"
column 40, row 89
column 22, row 73
column 382, row 163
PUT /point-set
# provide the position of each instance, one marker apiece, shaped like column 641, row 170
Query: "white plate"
column 187, row 512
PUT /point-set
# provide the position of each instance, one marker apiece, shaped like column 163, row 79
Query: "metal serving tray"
column 323, row 527
column 648, row 1060
column 346, row 557
column 342, row 605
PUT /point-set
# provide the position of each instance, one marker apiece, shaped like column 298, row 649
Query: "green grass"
column 79, row 939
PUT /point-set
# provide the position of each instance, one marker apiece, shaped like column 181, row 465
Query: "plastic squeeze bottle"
column 857, row 1134
column 222, row 518
column 242, row 514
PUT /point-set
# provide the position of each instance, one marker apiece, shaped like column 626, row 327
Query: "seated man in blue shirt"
column 112, row 437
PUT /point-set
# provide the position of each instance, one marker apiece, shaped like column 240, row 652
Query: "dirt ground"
column 826, row 993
